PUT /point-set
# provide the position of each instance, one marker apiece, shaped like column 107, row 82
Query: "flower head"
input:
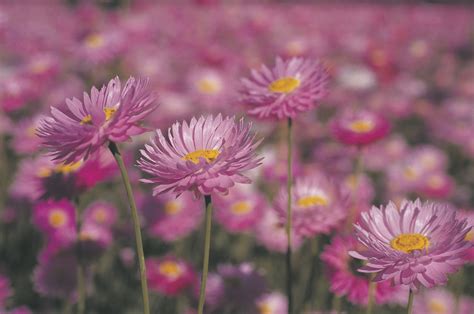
column 169, row 275
column 441, row 301
column 359, row 128
column 417, row 244
column 112, row 113
column 291, row 87
column 57, row 220
column 207, row 155
column 272, row 303
column 318, row 205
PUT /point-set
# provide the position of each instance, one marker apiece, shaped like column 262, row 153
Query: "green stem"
column 207, row 247
column 289, row 278
column 136, row 224
column 336, row 304
column 358, row 171
column 410, row 302
column 370, row 301
column 81, row 286
column 309, row 291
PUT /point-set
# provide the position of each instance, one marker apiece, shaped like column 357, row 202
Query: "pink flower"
column 291, row 87
column 57, row 220
column 417, row 244
column 441, row 301
column 359, row 127
column 240, row 210
column 108, row 114
column 318, row 205
column 169, row 275
column 343, row 280
column 207, row 155
column 100, row 213
column 272, row 303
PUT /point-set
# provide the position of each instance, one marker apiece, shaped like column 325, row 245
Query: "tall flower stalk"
column 136, row 224
column 207, row 247
column 411, row 296
column 289, row 279
column 80, row 274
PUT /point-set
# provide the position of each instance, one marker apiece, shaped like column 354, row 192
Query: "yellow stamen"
column 172, row 207
column 68, row 168
column 410, row 173
column 312, row 200
column 408, row 242
column 436, row 307
column 208, row 154
column 241, row 208
column 209, row 86
column 100, row 215
column 284, row 85
column 86, row 120
column 469, row 236
column 170, row 269
column 264, row 308
column 44, row 172
column 57, row 218
column 362, row 126
column 31, row 131
column 95, row 41
column 109, row 112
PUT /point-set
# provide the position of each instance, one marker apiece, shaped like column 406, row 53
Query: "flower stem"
column 207, row 247
column 289, row 278
column 308, row 289
column 370, row 301
column 81, row 287
column 136, row 224
column 410, row 302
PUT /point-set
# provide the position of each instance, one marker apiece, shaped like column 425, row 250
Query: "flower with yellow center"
column 170, row 269
column 44, row 172
column 409, row 242
column 172, row 207
column 241, row 208
column 86, row 120
column 68, row 168
column 57, row 218
column 312, row 200
column 437, row 307
column 435, row 181
column 100, row 215
column 94, row 41
column 208, row 154
column 362, row 126
column 209, row 85
column 469, row 236
column 284, row 85
column 109, row 113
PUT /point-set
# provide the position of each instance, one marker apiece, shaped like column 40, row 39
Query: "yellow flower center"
column 410, row 173
column 312, row 200
column 209, row 86
column 100, row 215
column 95, row 41
column 170, row 269
column 109, row 113
column 436, row 307
column 57, row 218
column 435, row 182
column 68, row 168
column 241, row 208
column 469, row 236
column 408, row 242
column 265, row 308
column 44, row 172
column 86, row 120
column 209, row 154
column 284, row 85
column 31, row 131
column 172, row 207
column 362, row 126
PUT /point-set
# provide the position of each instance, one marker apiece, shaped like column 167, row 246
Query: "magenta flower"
column 343, row 280
column 318, row 205
column 441, row 301
column 207, row 155
column 417, row 244
column 100, row 213
column 291, row 87
column 169, row 275
column 240, row 210
column 108, row 114
column 57, row 220
column 360, row 127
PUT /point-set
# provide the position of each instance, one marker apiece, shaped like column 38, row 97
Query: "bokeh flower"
column 415, row 244
column 207, row 155
column 292, row 86
column 169, row 275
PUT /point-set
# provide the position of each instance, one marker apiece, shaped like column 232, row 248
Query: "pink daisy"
column 57, row 220
column 469, row 215
column 359, row 127
column 318, row 205
column 108, row 114
column 170, row 218
column 207, row 155
column 169, row 275
column 291, row 87
column 346, row 282
column 240, row 210
column 100, row 213
column 441, row 301
column 416, row 244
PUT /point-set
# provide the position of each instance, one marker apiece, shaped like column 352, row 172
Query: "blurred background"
column 411, row 63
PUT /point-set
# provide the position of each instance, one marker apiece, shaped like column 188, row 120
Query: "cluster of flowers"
column 394, row 123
